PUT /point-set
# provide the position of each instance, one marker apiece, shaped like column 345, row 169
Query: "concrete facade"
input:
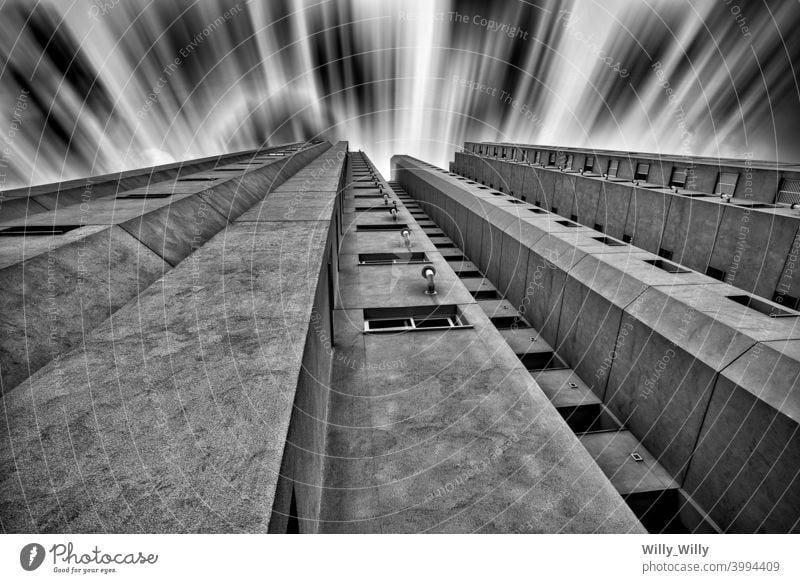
column 689, row 373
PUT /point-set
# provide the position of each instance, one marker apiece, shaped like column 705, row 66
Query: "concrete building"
column 284, row 341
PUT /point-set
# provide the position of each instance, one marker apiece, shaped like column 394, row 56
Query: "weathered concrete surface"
column 656, row 346
column 174, row 414
column 58, row 288
column 757, row 248
column 445, row 431
column 63, row 194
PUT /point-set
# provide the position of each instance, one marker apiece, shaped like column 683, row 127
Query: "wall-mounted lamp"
column 406, row 235
column 428, row 272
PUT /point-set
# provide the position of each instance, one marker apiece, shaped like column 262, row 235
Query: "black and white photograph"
column 413, row 270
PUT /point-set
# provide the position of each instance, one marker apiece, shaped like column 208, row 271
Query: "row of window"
column 681, row 175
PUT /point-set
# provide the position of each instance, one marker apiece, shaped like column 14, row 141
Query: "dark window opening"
column 785, row 300
column 609, row 241
column 762, row 306
column 588, row 164
column 573, row 218
column 642, row 171
column 715, row 273
column 293, row 524
column 145, row 195
column 666, row 266
column 598, row 227
column 37, row 230
column 665, row 253
column 387, row 227
column 627, row 238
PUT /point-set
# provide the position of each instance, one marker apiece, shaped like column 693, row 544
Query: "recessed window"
column 145, row 195
column 627, row 238
column 486, row 294
column 665, row 266
column 678, row 177
column 573, row 218
column 613, row 168
column 373, row 209
column 537, row 361
column 537, row 157
column 715, row 273
column 554, row 209
column 598, row 227
column 588, row 164
column 609, row 241
column 789, row 192
column 568, row 163
column 408, row 319
column 665, row 253
column 761, row 306
column 37, row 230
column 642, row 171
column 387, row 227
column 726, row 183
column 391, row 258
column 551, row 159
column 785, row 300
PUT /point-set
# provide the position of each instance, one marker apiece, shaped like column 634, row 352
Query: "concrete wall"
column 173, row 415
column 58, row 288
column 752, row 246
column 668, row 353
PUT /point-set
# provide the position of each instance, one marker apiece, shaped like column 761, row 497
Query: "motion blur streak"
column 88, row 87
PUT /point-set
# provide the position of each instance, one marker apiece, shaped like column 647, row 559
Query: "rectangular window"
column 613, row 167
column 598, row 227
column 537, row 157
column 568, row 163
column 665, row 253
column 413, row 318
column 503, row 154
column 762, row 306
column 627, row 238
column 609, row 241
column 726, row 183
column 551, row 159
column 144, row 195
column 391, row 258
column 37, row 230
column 678, row 177
column 665, row 266
column 715, row 273
column 789, row 301
column 588, row 164
column 387, row 227
column 789, row 191
column 642, row 171
column 495, row 151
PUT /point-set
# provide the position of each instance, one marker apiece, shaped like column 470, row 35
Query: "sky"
column 89, row 87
